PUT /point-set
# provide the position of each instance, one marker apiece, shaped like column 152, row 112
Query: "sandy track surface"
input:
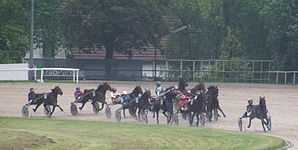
column 282, row 103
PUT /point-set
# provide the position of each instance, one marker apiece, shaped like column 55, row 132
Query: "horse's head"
column 262, row 102
column 105, row 86
column 213, row 90
column 57, row 90
column 182, row 84
column 198, row 87
column 137, row 90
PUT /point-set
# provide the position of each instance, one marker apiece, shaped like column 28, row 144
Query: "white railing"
column 56, row 72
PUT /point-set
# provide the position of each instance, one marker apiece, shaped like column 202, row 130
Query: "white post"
column 78, row 76
column 41, row 75
column 35, row 74
column 73, row 75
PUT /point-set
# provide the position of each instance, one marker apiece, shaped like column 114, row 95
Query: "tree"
column 14, row 35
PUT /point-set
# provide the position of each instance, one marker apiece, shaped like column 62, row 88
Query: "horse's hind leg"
column 36, row 107
column 83, row 104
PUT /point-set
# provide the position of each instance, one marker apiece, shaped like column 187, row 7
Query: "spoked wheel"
column 269, row 125
column 240, row 125
column 118, row 115
column 202, row 119
column 95, row 107
column 47, row 110
column 73, row 109
column 108, row 112
column 215, row 114
column 144, row 118
column 25, row 111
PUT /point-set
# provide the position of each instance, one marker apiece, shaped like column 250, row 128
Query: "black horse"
column 260, row 111
column 167, row 103
column 41, row 98
column 51, row 99
column 131, row 105
column 196, row 107
column 212, row 103
column 98, row 95
column 143, row 106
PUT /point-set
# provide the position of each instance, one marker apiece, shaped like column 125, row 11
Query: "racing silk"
column 159, row 90
column 125, row 98
column 31, row 96
column 77, row 94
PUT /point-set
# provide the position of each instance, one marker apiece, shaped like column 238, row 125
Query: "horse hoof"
column 34, row 110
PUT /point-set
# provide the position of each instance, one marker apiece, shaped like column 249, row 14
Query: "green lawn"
column 47, row 133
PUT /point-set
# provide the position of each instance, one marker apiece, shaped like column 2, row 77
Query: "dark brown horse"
column 167, row 103
column 51, row 99
column 131, row 105
column 143, row 106
column 196, row 108
column 260, row 111
column 212, row 103
column 43, row 98
column 98, row 95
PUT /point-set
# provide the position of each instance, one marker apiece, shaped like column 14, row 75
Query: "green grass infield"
column 49, row 133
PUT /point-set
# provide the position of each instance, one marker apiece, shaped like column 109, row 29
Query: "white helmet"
column 124, row 92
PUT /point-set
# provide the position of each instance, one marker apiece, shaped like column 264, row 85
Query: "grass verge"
column 48, row 133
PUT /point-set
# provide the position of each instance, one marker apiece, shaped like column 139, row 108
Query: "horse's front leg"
column 197, row 115
column 157, row 117
column 54, row 106
column 59, row 107
column 124, row 113
column 83, row 104
column 139, row 115
column 249, row 123
column 263, row 125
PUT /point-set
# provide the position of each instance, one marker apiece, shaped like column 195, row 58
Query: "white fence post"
column 41, row 75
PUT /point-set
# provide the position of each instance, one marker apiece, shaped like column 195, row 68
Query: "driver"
column 31, row 95
column 77, row 94
column 249, row 108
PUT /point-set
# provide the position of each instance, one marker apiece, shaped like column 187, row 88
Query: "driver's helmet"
column 183, row 96
column 250, row 101
column 158, row 83
column 124, row 92
column 31, row 89
column 113, row 90
column 78, row 87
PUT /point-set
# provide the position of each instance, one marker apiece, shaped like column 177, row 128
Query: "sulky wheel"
column 73, row 109
column 95, row 107
column 108, row 112
column 47, row 110
column 25, row 111
column 240, row 125
column 118, row 115
column 215, row 114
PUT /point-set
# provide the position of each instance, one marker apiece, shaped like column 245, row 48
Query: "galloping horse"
column 43, row 97
column 260, row 111
column 143, row 105
column 167, row 103
column 196, row 107
column 98, row 95
column 131, row 105
column 51, row 99
column 212, row 102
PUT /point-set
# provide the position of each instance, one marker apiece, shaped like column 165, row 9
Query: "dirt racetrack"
column 282, row 103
